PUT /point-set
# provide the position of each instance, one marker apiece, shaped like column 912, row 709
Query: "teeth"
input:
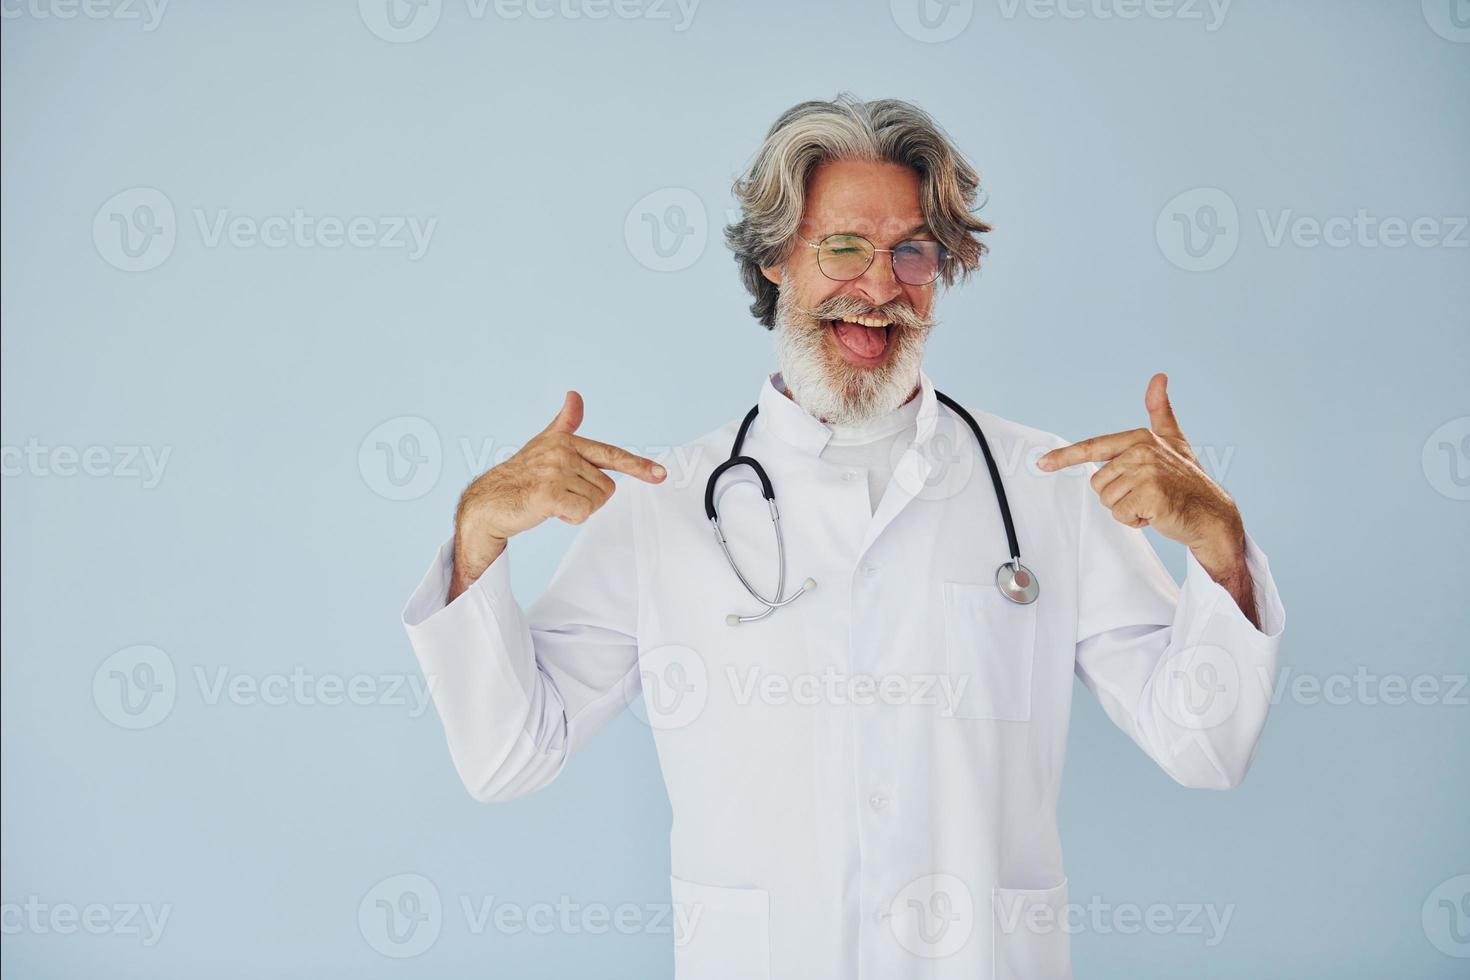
column 869, row 321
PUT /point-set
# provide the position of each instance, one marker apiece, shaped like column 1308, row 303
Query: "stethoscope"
column 1015, row 581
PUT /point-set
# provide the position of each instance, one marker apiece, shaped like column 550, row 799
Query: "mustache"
column 898, row 312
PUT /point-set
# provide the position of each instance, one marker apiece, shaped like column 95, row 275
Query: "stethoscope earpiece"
column 735, row 619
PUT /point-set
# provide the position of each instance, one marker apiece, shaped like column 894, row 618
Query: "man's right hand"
column 557, row 474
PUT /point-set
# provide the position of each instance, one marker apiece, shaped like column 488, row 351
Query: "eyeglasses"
column 845, row 257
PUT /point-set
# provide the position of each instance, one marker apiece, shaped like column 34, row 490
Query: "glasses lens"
column 917, row 262
column 844, row 257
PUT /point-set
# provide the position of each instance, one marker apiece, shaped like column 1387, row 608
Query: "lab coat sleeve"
column 518, row 692
column 1180, row 670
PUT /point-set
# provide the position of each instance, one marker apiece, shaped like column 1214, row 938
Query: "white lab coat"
column 863, row 785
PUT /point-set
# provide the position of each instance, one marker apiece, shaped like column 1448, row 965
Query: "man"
column 864, row 779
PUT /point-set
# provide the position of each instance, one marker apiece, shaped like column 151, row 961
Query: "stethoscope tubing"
column 768, row 491
column 995, row 480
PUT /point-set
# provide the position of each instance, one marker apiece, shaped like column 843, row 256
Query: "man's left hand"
column 1151, row 477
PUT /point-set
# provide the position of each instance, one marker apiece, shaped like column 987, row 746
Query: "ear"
column 772, row 273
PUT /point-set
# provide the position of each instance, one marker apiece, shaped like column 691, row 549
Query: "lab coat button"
column 878, row 801
column 870, row 569
column 849, row 476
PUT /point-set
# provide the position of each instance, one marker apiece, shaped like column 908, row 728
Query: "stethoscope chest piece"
column 1017, row 583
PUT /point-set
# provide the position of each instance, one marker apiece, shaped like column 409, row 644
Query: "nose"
column 878, row 285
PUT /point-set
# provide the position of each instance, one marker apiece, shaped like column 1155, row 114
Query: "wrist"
column 1222, row 552
column 471, row 560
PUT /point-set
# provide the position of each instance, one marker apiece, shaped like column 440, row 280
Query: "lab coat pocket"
column 1031, row 938
column 989, row 644
column 720, row 933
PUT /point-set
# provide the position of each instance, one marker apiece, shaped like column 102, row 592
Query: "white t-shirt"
column 874, row 446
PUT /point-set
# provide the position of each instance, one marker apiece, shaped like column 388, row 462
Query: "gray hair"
column 772, row 191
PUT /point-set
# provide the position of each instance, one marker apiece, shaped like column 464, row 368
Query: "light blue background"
column 1321, row 371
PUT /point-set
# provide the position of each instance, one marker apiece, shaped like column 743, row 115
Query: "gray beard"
column 830, row 389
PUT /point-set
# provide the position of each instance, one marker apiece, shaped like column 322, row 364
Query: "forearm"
column 501, row 716
column 1242, row 589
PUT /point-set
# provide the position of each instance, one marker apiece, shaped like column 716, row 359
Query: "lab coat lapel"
column 912, row 469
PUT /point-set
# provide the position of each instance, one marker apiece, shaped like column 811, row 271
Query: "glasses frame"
column 892, row 257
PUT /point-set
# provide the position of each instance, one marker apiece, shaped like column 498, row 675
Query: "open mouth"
column 862, row 340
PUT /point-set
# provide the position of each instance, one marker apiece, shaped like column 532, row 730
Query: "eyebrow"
column 922, row 226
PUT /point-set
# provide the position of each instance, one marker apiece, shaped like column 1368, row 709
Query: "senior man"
column 863, row 769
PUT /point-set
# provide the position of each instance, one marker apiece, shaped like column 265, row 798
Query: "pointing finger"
column 607, row 457
column 1093, row 450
